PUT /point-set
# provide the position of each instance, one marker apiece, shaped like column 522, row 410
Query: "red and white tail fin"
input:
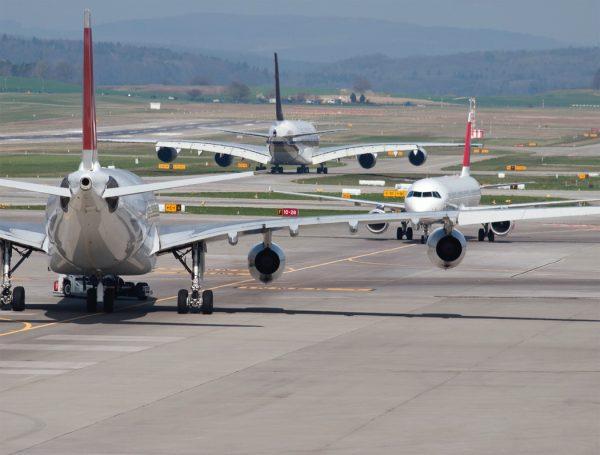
column 89, row 158
column 466, row 169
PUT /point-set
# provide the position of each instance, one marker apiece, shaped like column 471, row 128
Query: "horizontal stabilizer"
column 158, row 186
column 36, row 188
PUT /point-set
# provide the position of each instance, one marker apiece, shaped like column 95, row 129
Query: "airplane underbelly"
column 95, row 240
column 290, row 154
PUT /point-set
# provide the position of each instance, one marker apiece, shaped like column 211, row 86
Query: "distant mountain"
column 310, row 39
column 475, row 73
column 117, row 63
column 314, row 38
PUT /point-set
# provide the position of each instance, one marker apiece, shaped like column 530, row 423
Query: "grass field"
column 536, row 163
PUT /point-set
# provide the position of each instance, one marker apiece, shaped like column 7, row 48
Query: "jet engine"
column 167, row 154
column 446, row 250
column 266, row 263
column 367, row 160
column 417, row 157
column 502, row 228
column 223, row 160
column 377, row 228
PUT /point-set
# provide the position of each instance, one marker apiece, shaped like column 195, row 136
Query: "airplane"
column 452, row 192
column 288, row 142
column 103, row 222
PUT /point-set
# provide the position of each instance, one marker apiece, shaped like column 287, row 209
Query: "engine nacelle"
column 266, row 263
column 446, row 250
column 223, row 160
column 377, row 228
column 167, row 154
column 502, row 228
column 417, row 157
column 367, row 160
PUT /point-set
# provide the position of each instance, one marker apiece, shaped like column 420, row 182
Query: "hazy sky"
column 571, row 21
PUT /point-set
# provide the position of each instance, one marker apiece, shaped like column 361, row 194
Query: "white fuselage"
column 90, row 235
column 443, row 193
column 286, row 149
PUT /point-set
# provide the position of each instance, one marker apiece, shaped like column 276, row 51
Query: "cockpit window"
column 436, row 195
column 416, row 194
column 410, row 194
column 427, row 194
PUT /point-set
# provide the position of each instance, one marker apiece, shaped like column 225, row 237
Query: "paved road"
column 361, row 347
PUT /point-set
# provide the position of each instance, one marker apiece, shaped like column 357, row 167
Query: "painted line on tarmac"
column 27, row 326
column 280, row 288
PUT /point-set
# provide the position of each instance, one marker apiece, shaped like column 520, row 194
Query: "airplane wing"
column 256, row 153
column 332, row 153
column 36, row 188
column 179, row 236
column 30, row 235
column 530, row 204
column 503, row 185
column 358, row 202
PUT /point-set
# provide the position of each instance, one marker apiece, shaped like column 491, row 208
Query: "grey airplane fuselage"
column 285, row 149
column 90, row 235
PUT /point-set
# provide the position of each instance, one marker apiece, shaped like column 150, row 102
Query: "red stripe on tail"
column 89, row 101
column 467, row 151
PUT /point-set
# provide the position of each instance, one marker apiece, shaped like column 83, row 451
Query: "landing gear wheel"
column 108, row 300
column 207, row 302
column 399, row 233
column 18, row 299
column 67, row 289
column 490, row 235
column 280, row 170
column 91, row 300
column 319, row 170
column 182, row 302
column 422, row 240
column 409, row 233
column 140, row 292
column 325, row 170
column 481, row 235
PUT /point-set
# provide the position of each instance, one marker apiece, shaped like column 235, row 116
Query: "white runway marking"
column 31, row 372
column 125, row 338
column 69, row 347
column 44, row 365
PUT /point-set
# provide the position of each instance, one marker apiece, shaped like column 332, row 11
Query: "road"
column 362, row 347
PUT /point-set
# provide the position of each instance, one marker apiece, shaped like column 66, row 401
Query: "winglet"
column 466, row 169
column 90, row 148
column 278, row 108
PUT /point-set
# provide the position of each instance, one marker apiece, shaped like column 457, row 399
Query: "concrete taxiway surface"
column 361, row 347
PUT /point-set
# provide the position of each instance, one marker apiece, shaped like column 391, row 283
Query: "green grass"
column 535, row 162
column 557, row 98
column 32, row 84
column 257, row 211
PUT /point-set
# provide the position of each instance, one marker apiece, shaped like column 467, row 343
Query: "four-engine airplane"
column 289, row 142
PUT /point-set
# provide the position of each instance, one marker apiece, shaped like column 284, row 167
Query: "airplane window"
column 436, row 195
column 427, row 194
column 416, row 194
column 410, row 194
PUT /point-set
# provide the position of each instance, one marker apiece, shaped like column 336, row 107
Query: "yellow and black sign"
column 175, row 166
column 172, row 208
column 516, row 167
column 242, row 165
column 394, row 193
column 166, row 166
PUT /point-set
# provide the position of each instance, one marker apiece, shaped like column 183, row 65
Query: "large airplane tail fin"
column 278, row 108
column 89, row 157
column 466, row 169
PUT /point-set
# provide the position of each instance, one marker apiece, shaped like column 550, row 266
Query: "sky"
column 569, row 21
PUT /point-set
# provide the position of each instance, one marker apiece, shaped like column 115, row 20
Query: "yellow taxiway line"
column 27, row 326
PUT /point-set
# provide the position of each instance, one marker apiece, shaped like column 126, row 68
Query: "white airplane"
column 104, row 222
column 454, row 192
column 288, row 142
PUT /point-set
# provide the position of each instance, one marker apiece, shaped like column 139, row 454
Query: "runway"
column 361, row 347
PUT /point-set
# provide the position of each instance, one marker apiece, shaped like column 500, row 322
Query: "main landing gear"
column 108, row 289
column 484, row 232
column 9, row 297
column 196, row 299
column 304, row 169
column 261, row 167
column 276, row 169
column 425, row 235
column 322, row 169
column 404, row 231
